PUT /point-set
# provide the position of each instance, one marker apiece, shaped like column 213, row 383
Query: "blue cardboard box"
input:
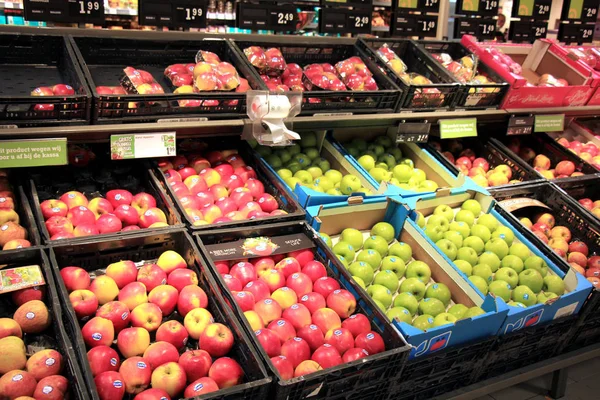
column 577, row 288
column 332, row 219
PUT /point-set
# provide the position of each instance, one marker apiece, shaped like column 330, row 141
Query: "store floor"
column 582, row 384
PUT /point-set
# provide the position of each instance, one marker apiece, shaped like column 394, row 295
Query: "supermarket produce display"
column 165, row 234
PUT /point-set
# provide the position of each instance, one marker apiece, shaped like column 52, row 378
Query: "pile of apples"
column 560, row 239
column 477, row 168
column 129, row 304
column 302, row 318
column 12, row 235
column 465, row 70
column 542, row 164
column 400, row 285
column 73, row 215
column 302, row 164
column 590, row 56
column 56, row 90
column 38, row 376
column 217, row 186
column 384, row 161
column 588, row 152
column 505, row 61
column 591, row 205
column 487, row 252
column 141, row 82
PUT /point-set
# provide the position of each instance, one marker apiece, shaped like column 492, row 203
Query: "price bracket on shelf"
column 477, row 7
column 174, row 13
column 415, row 25
column 33, row 153
column 520, row 126
column 65, row 11
column 528, row 31
column 428, row 6
column 338, row 20
column 458, row 128
column 144, row 145
column 481, row 28
column 534, row 9
column 584, row 11
column 549, row 123
column 263, row 16
column 413, row 132
column 575, row 33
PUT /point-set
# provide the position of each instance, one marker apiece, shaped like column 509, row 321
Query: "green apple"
column 524, row 295
column 294, row 167
column 376, row 148
column 413, row 286
column 513, row 262
column 388, row 279
column 419, row 175
column 475, row 243
column 284, row 155
column 445, row 211
column 360, row 282
column 384, row 141
column 349, row 184
column 498, row 247
column 316, row 188
column 461, row 227
column 507, row 275
column 402, row 250
column 274, row 161
column 343, row 261
column 439, row 291
column 531, row 278
column 302, row 159
column 315, row 172
column 334, row 176
column 344, row 249
column 264, row 151
column 402, row 172
column 379, row 174
column 284, row 173
column 448, row 248
column 384, row 230
column 490, row 259
column 420, row 219
column 324, row 183
column 465, row 216
column 489, row 221
column 554, row 284
column 482, row 232
column 363, row 270
column 473, row 312
column 537, row 263
column 304, row 176
column 407, row 300
column 353, row 151
column 407, row 161
column 431, row 306
column 383, row 166
column 438, row 220
column 543, row 297
column 473, row 206
column 519, row 250
column 444, row 319
column 387, row 159
column 380, row 305
column 322, row 163
column 334, row 192
column 423, row 322
column 516, row 304
column 458, row 310
column 292, row 182
column 454, row 237
column 480, row 283
column 312, row 152
column 504, row 233
column 381, row 293
column 434, row 232
column 353, row 237
column 325, row 238
column 377, row 243
column 399, row 314
column 418, row 269
column 427, row 186
column 308, row 140
column 367, row 162
column 294, row 149
column 395, row 181
column 484, row 271
column 500, row 288
column 396, row 152
column 464, row 267
column 467, row 254
column 394, row 264
column 359, row 143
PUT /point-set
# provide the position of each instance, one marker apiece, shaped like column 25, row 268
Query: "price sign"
column 580, row 10
column 477, row 7
column 415, row 25
column 146, row 145
column 413, row 132
column 524, row 31
column 175, row 14
column 535, row 9
column 430, row 6
column 576, row 33
column 65, row 11
column 272, row 17
column 481, row 28
column 336, row 20
column 520, row 126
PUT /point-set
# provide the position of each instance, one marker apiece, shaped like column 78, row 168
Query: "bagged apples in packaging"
column 392, row 60
column 220, row 77
column 207, row 56
column 355, row 74
column 256, row 56
column 316, row 78
column 138, row 81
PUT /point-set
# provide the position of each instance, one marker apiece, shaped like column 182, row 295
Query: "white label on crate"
column 566, row 310
column 316, row 391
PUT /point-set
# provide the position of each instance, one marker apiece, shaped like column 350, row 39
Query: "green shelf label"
column 33, row 152
column 145, row 145
column 458, row 128
column 549, row 123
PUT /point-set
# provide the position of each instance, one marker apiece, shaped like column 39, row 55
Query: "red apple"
column 269, row 341
column 127, row 214
column 74, row 199
column 259, row 289
column 165, row 297
column 160, row 353
column 53, row 207
column 312, row 335
column 342, row 339
column 191, row 297
column 216, row 339
column 173, row 332
column 99, row 206
column 357, row 324
column 342, row 302
column 110, row 386
column 354, row 354
column 59, row 225
column 245, row 300
column 98, row 331
column 296, row 350
column 244, row 271
column 109, row 223
column 102, row 359
column 152, row 394
column 196, row 364
column 371, row 342
column 327, row 356
column 152, row 216
column 313, row 301
column 122, row 272
column 136, row 374
column 233, row 284
column 283, row 366
column 325, row 286
column 314, row 270
column 578, row 246
column 151, row 275
column 298, row 315
column 200, row 387
column 119, row 197
column 283, row 329
column 181, row 278
column 116, row 312
column 84, row 303
column 226, row 372
column 22, row 296
column 143, row 202
column 75, row 278
column 288, row 266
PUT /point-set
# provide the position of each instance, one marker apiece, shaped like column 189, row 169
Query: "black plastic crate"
column 272, row 186
column 526, row 347
column 448, row 89
column 95, row 181
column 29, row 61
column 305, row 52
column 55, row 337
column 442, row 372
column 95, row 255
column 587, row 330
column 491, row 150
column 103, row 60
column 473, row 96
column 371, row 376
column 581, row 187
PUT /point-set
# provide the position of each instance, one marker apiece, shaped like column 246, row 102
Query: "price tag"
column 536, row 9
column 145, row 145
column 415, row 25
column 336, row 20
column 272, row 17
column 174, row 13
column 481, row 28
column 430, row 6
column 65, row 11
column 458, row 128
column 584, row 11
column 413, row 132
column 528, row 31
column 549, row 123
column 520, row 126
column 477, row 7
column 33, row 153
column 575, row 33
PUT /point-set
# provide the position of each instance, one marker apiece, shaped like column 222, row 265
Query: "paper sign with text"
column 144, row 145
column 33, row 153
column 549, row 123
column 458, row 128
